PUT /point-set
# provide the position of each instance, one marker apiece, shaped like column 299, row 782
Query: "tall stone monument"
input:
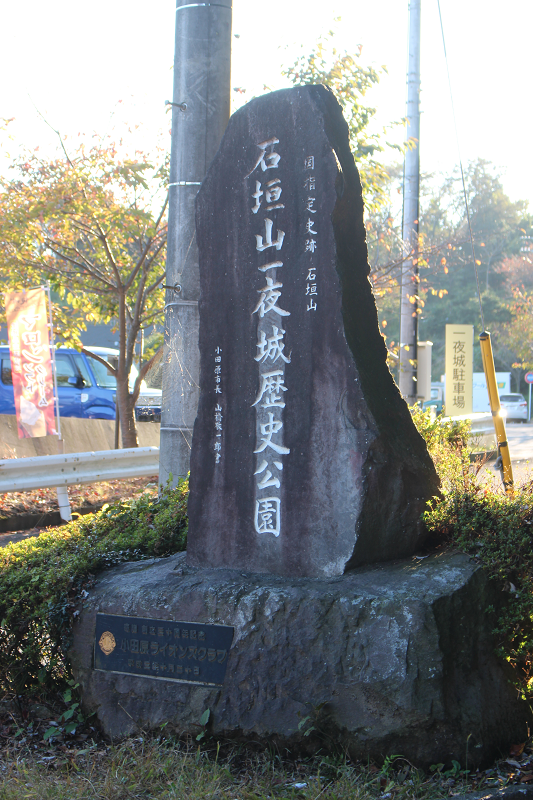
column 305, row 460
column 305, row 463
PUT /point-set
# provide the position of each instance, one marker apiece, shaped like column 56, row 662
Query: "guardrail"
column 482, row 433
column 68, row 469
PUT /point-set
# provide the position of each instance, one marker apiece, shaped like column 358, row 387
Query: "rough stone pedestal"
column 400, row 654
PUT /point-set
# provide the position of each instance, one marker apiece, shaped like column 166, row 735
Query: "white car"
column 148, row 406
column 515, row 406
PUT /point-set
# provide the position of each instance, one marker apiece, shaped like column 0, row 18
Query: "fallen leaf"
column 512, row 763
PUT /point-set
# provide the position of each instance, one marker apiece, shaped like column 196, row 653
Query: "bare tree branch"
column 158, row 355
column 90, row 353
column 141, row 260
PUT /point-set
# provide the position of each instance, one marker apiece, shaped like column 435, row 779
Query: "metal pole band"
column 165, row 428
column 182, row 303
column 206, row 5
column 185, row 183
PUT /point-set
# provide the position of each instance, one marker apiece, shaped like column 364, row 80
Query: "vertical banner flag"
column 31, row 366
column 459, row 369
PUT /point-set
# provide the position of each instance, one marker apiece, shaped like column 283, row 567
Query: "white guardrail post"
column 63, row 502
column 69, row 469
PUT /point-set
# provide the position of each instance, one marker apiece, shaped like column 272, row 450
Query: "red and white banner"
column 31, row 365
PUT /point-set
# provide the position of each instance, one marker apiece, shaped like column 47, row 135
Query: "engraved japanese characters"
column 270, row 345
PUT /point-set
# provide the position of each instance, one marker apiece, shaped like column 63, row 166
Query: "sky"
column 97, row 66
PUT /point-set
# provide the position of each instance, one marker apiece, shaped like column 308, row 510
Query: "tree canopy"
column 94, row 223
column 498, row 225
column 350, row 81
column 447, row 289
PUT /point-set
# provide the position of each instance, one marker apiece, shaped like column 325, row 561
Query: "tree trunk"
column 128, row 428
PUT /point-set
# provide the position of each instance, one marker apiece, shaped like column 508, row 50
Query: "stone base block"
column 395, row 658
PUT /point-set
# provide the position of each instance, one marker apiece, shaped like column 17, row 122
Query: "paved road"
column 520, row 438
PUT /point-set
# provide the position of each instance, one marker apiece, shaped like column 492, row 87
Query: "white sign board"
column 459, row 367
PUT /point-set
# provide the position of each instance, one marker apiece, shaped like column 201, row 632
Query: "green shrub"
column 447, row 443
column 497, row 529
column 43, row 578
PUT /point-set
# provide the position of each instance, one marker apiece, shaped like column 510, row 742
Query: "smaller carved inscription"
column 191, row 652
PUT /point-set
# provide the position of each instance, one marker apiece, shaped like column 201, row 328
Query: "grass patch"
column 43, row 578
column 160, row 767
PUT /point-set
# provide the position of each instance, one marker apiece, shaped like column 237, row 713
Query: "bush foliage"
column 495, row 528
column 43, row 579
column 447, row 443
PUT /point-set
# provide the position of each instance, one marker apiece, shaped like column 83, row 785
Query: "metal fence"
column 68, row 469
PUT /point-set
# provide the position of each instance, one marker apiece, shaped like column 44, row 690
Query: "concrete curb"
column 23, row 522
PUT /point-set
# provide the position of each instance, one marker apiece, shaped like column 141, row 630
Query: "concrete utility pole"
column 200, row 114
column 411, row 192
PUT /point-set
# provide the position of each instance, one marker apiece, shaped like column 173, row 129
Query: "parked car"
column 437, row 391
column 148, row 406
column 515, row 406
column 85, row 387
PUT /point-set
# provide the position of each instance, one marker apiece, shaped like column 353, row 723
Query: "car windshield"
column 511, row 398
column 104, row 378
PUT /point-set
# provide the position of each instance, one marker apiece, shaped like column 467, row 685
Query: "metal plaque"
column 189, row 652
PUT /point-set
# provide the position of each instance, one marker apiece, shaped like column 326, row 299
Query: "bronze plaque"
column 189, row 652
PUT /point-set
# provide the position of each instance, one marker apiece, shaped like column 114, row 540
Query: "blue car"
column 85, row 387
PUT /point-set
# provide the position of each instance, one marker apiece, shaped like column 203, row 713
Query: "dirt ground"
column 44, row 501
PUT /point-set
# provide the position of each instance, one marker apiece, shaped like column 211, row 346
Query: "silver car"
column 515, row 406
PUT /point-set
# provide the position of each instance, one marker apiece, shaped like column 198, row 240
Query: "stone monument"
column 305, row 468
column 305, row 459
